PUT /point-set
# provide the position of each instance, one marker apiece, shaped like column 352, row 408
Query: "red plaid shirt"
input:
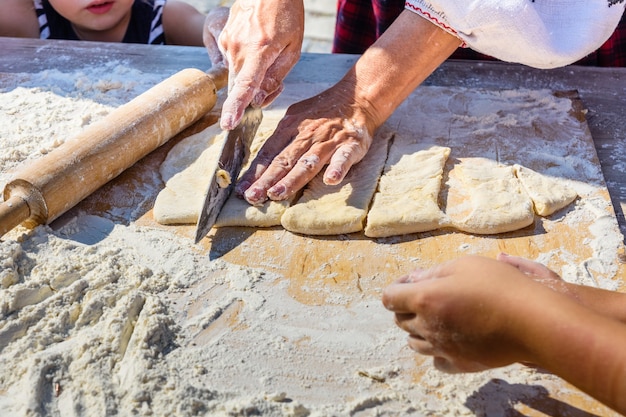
column 360, row 23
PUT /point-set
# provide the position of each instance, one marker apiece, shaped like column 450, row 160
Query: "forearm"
column 582, row 347
column 400, row 60
column 608, row 303
column 18, row 19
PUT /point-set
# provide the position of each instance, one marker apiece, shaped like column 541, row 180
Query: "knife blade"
column 229, row 165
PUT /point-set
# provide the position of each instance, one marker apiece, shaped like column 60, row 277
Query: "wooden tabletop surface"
column 602, row 90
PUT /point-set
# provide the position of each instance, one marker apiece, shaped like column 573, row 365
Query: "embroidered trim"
column 426, row 14
column 435, row 19
column 611, row 2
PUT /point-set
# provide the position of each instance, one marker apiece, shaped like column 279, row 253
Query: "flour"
column 102, row 316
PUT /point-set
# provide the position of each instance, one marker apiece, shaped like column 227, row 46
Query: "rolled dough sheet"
column 338, row 209
column 407, row 200
column 186, row 172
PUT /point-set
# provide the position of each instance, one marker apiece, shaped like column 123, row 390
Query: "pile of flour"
column 101, row 317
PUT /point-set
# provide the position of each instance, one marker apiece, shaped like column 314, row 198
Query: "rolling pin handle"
column 12, row 213
column 219, row 76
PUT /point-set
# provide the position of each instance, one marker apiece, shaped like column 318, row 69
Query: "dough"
column 337, row 209
column 486, row 198
column 479, row 196
column 186, row 171
column 236, row 210
column 548, row 194
column 408, row 192
column 222, row 177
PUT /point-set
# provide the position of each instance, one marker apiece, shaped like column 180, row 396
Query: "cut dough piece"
column 238, row 212
column 337, row 209
column 186, row 171
column 487, row 198
column 548, row 194
column 408, row 191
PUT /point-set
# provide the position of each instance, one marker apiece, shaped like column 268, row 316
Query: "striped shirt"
column 145, row 26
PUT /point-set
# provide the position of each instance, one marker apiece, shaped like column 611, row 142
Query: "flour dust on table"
column 104, row 315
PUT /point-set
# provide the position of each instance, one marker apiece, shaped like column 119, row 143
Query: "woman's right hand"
column 262, row 41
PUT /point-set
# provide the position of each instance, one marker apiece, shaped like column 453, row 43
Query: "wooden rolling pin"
column 42, row 190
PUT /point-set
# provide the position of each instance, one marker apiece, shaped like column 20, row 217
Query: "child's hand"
column 471, row 314
column 213, row 25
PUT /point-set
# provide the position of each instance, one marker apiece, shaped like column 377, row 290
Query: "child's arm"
column 18, row 19
column 476, row 313
column 183, row 24
column 608, row 303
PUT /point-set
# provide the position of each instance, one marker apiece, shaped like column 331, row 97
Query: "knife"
column 229, row 165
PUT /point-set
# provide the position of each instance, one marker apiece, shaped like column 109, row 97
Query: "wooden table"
column 603, row 90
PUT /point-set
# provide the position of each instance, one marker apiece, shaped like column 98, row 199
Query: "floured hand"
column 465, row 313
column 261, row 41
column 213, row 25
column 326, row 129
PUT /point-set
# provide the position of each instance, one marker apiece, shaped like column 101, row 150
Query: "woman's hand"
column 213, row 25
column 328, row 129
column 261, row 41
column 336, row 127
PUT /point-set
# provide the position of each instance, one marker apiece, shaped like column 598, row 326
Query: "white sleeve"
column 537, row 33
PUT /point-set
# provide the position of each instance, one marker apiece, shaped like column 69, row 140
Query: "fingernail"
column 227, row 122
column 230, row 120
column 255, row 196
column 259, row 98
column 332, row 177
column 242, row 187
column 277, row 192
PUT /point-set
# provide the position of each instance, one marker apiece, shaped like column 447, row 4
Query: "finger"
column 215, row 54
column 268, row 99
column 214, row 22
column 342, row 160
column 239, row 96
column 400, row 298
column 311, row 155
column 254, row 182
column 413, row 324
column 420, row 345
column 408, row 277
column 272, row 83
column 294, row 177
column 293, row 167
column 527, row 266
column 252, row 174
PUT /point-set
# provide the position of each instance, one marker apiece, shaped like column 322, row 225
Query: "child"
column 129, row 21
column 476, row 313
